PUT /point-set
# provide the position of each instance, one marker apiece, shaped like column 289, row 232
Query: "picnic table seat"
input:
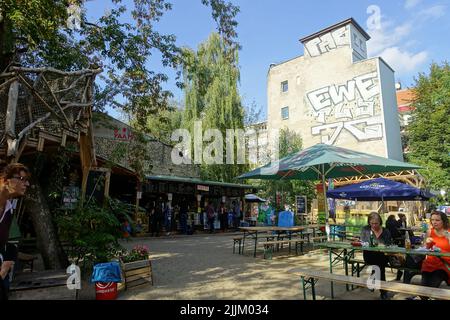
column 319, row 239
column 310, row 277
column 269, row 246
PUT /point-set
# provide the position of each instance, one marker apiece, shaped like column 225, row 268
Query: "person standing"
column 13, row 183
column 223, row 217
column 183, row 215
column 167, row 218
column 210, row 214
column 237, row 213
column 150, row 208
column 158, row 217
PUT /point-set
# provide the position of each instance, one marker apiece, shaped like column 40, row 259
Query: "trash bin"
column 106, row 275
column 105, row 291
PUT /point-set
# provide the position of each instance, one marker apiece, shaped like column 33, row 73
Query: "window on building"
column 284, row 86
column 285, row 113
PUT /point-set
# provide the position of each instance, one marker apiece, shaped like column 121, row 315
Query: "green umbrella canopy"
column 323, row 161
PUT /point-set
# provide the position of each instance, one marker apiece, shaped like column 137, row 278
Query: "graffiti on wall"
column 354, row 107
column 328, row 41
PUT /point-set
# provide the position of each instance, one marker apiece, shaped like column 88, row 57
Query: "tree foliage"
column 429, row 131
column 289, row 142
column 122, row 41
column 164, row 122
column 211, row 77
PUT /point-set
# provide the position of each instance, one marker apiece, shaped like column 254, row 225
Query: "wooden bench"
column 310, row 277
column 319, row 239
column 270, row 245
column 48, row 284
column 237, row 241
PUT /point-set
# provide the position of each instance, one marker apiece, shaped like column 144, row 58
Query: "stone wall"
column 115, row 141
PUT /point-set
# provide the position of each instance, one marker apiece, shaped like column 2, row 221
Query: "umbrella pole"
column 327, row 225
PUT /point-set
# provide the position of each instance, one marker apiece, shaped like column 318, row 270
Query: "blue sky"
column 411, row 34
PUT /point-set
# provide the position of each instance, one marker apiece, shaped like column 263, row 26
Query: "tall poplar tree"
column 211, row 76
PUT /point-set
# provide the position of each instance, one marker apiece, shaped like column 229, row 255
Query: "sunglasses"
column 21, row 178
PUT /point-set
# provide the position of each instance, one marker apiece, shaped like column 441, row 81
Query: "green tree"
column 45, row 33
column 164, row 122
column 289, row 142
column 211, row 77
column 429, row 131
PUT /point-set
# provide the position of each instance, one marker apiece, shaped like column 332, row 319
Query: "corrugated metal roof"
column 198, row 181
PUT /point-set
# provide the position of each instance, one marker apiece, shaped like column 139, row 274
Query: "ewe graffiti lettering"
column 353, row 106
column 327, row 42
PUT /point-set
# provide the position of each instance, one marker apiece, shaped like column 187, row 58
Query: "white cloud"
column 433, row 12
column 409, row 4
column 386, row 37
column 403, row 61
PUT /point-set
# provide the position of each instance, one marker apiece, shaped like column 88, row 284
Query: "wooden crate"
column 137, row 273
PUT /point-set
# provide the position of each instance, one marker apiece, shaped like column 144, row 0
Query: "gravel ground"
column 203, row 267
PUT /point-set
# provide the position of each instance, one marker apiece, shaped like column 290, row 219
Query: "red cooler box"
column 105, row 290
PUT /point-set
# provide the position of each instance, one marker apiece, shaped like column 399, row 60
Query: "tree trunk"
column 47, row 240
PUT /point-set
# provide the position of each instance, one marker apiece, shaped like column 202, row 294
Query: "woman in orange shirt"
column 437, row 269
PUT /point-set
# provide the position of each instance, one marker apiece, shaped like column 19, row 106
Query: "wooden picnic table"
column 253, row 232
column 344, row 251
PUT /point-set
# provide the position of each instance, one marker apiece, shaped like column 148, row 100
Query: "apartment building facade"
column 335, row 94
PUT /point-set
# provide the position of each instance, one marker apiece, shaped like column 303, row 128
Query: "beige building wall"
column 335, row 95
column 257, row 144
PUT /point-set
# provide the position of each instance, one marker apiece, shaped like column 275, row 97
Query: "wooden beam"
column 56, row 101
column 53, row 70
column 37, row 95
column 40, row 145
column 85, row 174
column 10, row 121
column 107, row 184
column 22, row 146
column 63, row 138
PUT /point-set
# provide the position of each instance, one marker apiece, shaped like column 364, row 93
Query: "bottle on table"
column 407, row 241
column 372, row 239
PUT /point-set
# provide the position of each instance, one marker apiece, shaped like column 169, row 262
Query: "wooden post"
column 10, row 121
column 84, row 183
column 107, row 184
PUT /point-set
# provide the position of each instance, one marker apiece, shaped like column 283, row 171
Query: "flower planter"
column 137, row 273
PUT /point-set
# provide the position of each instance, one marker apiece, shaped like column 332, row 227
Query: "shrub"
column 91, row 233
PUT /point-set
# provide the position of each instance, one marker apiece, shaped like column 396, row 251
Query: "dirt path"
column 204, row 267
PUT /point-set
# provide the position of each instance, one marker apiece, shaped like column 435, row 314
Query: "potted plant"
column 137, row 267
